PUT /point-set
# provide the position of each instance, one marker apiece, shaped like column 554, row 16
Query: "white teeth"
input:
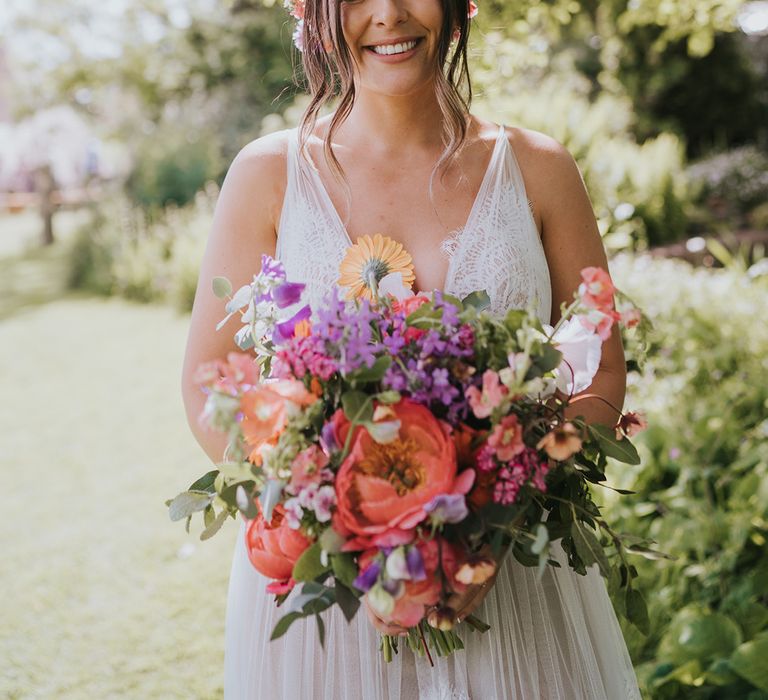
column 390, row 49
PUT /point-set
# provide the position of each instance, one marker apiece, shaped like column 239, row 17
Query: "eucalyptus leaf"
column 222, row 287
column 215, row 525
column 188, row 502
column 320, row 631
column 649, row 553
column 270, row 497
column 542, row 538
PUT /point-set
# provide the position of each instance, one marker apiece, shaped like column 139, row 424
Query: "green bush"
column 171, row 168
column 145, row 259
column 702, row 487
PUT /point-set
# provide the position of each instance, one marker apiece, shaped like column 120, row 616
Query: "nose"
column 389, row 13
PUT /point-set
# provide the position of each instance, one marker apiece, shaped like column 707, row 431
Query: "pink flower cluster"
column 596, row 294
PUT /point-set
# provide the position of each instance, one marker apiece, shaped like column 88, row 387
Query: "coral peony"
column 273, row 548
column 382, row 488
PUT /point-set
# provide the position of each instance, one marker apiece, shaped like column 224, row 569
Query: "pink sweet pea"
column 597, row 290
column 492, row 395
column 599, row 322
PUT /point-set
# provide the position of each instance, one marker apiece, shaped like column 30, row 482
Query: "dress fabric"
column 554, row 638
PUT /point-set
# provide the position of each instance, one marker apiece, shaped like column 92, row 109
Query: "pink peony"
column 273, row 547
column 382, row 489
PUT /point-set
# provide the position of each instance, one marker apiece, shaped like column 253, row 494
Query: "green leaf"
column 622, row 450
column 270, row 497
column 215, row 525
column 588, row 547
column 697, row 633
column 357, row 406
column 205, row 482
column 549, row 359
column 236, row 471
column 388, row 397
column 649, row 553
column 320, row 631
column 749, row 661
column 374, row 373
column 308, row 566
column 479, row 300
column 637, row 610
column 542, row 537
column 284, row 623
column 222, row 287
column 347, row 600
column 188, row 502
column 209, row 515
column 344, row 568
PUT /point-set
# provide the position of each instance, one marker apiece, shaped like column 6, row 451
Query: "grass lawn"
column 103, row 597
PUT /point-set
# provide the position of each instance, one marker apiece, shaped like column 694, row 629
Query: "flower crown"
column 296, row 8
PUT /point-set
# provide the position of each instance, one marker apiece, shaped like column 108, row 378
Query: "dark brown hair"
column 330, row 74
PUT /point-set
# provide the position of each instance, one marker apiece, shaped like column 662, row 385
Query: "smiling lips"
column 394, row 49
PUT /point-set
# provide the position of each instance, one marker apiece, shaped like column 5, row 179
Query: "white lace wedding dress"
column 551, row 639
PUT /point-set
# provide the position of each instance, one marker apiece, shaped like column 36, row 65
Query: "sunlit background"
column 118, row 119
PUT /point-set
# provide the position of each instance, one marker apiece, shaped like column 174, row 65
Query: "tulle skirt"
column 551, row 639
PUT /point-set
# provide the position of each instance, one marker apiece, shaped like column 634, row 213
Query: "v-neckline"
column 460, row 233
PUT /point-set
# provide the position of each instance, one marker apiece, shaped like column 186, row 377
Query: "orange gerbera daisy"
column 369, row 261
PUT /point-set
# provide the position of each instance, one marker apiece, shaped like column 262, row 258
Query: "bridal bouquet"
column 395, row 447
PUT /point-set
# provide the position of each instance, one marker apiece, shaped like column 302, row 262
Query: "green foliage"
column 702, row 486
column 171, row 170
column 124, row 252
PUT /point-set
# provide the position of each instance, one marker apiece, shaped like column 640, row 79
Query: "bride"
column 478, row 206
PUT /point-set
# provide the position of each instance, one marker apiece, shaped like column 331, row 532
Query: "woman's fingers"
column 383, row 627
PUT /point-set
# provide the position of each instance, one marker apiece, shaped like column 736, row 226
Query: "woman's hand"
column 380, row 625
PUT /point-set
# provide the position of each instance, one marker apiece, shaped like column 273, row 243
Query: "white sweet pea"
column 397, row 566
column 393, row 284
column 581, row 350
column 540, row 388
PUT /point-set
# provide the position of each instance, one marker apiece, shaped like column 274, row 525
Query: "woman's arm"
column 244, row 227
column 572, row 242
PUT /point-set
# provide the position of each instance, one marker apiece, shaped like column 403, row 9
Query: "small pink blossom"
column 630, row 424
column 507, row 438
column 492, row 394
column 631, row 317
column 599, row 322
column 561, row 442
column 472, row 10
column 596, row 290
column 307, row 467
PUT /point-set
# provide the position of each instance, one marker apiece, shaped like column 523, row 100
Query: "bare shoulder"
column 258, row 174
column 543, row 160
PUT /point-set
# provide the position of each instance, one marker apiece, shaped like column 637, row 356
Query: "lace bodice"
column 498, row 250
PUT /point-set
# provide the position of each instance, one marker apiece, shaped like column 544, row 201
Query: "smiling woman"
column 401, row 155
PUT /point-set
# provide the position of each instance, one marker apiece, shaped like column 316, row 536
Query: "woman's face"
column 393, row 43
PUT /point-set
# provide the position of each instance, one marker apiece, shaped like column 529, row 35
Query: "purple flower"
column 272, row 269
column 287, row 294
column 447, row 508
column 284, row 331
column 328, row 439
column 367, row 578
column 415, row 564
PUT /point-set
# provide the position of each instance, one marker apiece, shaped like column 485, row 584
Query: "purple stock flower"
column 447, row 508
column 272, row 269
column 284, row 330
column 367, row 578
column 287, row 294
